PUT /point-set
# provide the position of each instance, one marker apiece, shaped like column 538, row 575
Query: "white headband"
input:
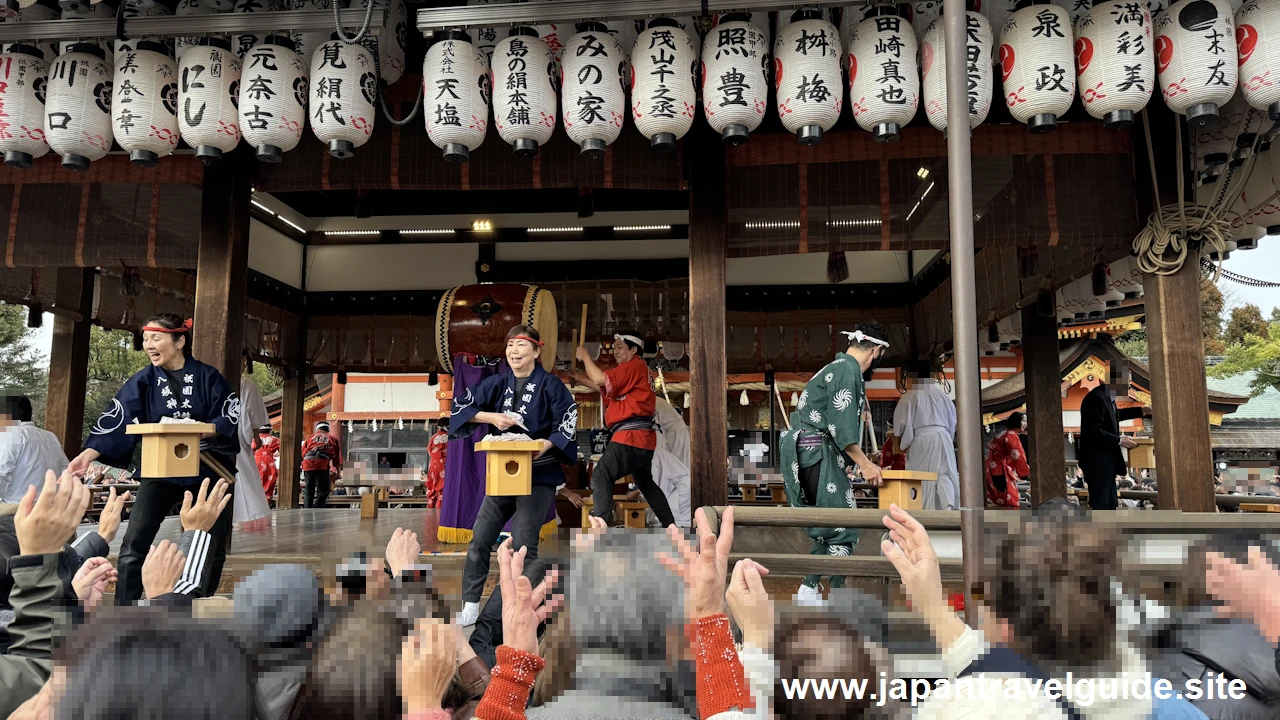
column 631, row 339
column 858, row 337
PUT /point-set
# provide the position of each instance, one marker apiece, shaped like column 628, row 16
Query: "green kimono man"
column 821, row 451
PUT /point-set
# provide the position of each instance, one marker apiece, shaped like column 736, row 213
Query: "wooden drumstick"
column 778, row 394
column 573, row 361
column 582, row 327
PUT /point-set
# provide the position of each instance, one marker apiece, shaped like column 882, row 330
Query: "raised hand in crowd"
column 44, row 525
column 750, row 604
column 109, row 520
column 703, row 571
column 91, row 581
column 912, row 555
column 207, row 507
column 402, row 550
column 428, row 660
column 162, row 569
column 524, row 607
column 1250, row 591
column 39, row 707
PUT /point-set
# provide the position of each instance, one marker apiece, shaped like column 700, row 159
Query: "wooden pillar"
column 291, row 436
column 708, row 368
column 69, row 356
column 222, row 270
column 1179, row 393
column 1042, row 372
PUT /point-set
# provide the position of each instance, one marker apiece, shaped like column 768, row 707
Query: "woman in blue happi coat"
column 546, row 411
column 175, row 385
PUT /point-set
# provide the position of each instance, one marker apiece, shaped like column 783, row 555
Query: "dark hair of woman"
column 1014, row 422
column 822, row 647
column 523, row 330
column 172, row 321
column 353, row 672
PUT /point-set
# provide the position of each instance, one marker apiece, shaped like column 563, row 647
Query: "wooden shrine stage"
column 321, row 538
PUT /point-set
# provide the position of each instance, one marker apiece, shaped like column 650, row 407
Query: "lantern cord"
column 1162, row 246
column 337, row 23
column 382, row 100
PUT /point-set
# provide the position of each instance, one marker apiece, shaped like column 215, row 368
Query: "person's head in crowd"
column 1016, row 422
column 322, row 427
column 151, row 663
column 353, row 674
column 821, row 646
column 524, row 347
column 560, row 652
column 627, row 344
column 1048, row 590
column 15, row 408
column 1233, row 546
column 868, row 344
column 166, row 338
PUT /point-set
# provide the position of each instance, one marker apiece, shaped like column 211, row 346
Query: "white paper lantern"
column 1258, row 43
column 735, row 86
column 923, row 14
column 1037, row 66
column 524, row 91
column 1115, row 60
column 884, row 80
column 663, row 92
column 84, row 11
column 485, row 38
column 997, row 11
column 759, row 20
column 344, row 89
column 1195, row 58
column 144, row 108
column 273, row 98
column 209, row 97
column 393, row 41
column 42, row 10
column 243, row 42
column 135, row 9
column 191, row 8
column 77, row 120
column 24, row 77
column 692, row 26
column 593, row 101
column 455, row 81
column 978, row 69
column 305, row 43
column 624, row 33
column 1125, row 277
column 807, row 77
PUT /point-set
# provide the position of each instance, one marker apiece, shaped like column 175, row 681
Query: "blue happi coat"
column 546, row 407
column 196, row 392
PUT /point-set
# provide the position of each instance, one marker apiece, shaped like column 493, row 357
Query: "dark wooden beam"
column 69, row 357
column 1179, row 393
column 291, row 436
column 223, row 268
column 1044, row 405
column 708, row 243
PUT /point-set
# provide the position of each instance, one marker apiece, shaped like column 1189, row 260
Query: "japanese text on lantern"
column 518, row 83
column 662, row 103
column 732, row 84
column 973, row 55
column 815, row 88
column 446, row 89
column 890, row 48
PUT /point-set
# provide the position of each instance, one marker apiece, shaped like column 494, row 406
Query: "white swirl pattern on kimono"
column 838, row 549
column 829, row 377
column 842, row 400
column 569, row 423
column 231, row 409
column 815, row 417
column 831, row 487
column 110, row 420
column 467, row 401
column 804, row 398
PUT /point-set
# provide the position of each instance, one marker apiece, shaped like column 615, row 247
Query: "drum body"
column 475, row 319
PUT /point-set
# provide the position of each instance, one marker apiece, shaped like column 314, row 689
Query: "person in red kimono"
column 437, row 449
column 629, row 414
column 891, row 456
column 1006, row 463
column 265, row 457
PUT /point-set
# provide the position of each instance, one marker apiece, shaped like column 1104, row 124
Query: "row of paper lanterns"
column 1112, row 49
column 216, row 92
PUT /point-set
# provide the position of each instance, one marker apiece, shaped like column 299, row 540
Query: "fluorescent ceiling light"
column 351, row 233
column 446, row 231
column 263, row 208
column 291, row 224
column 641, row 228
column 554, row 230
column 773, row 225
column 869, row 222
column 482, row 226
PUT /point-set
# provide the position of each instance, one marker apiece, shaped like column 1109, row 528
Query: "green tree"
column 112, row 361
column 265, row 378
column 1133, row 343
column 1212, row 304
column 1257, row 354
column 21, row 368
column 1245, row 320
column 1275, row 315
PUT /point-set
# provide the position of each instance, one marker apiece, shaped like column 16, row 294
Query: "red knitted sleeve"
column 510, row 682
column 721, row 683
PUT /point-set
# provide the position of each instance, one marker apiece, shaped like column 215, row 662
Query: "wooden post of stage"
column 708, row 368
column 1179, row 393
column 69, row 357
column 222, row 270
column 1043, row 375
column 292, row 418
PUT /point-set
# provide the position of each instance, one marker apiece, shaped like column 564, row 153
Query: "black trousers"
column 155, row 499
column 526, row 513
column 316, row 493
column 1102, row 490
column 619, row 461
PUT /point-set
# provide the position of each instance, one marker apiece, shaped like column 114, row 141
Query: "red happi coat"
column 437, row 449
column 1005, row 456
column 265, row 457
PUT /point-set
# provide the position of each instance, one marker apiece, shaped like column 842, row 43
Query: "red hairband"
column 186, row 327
column 539, row 343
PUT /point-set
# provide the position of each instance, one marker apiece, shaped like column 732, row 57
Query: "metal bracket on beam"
column 173, row 26
column 572, row 11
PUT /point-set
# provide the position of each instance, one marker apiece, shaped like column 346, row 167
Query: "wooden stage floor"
column 321, row 538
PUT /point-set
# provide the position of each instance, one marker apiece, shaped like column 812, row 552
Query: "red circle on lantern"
column 926, row 57
column 1084, row 54
column 777, row 74
column 1164, row 52
column 1246, row 41
column 853, row 68
column 1006, row 61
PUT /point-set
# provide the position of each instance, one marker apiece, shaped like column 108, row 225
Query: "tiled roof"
column 1264, row 407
